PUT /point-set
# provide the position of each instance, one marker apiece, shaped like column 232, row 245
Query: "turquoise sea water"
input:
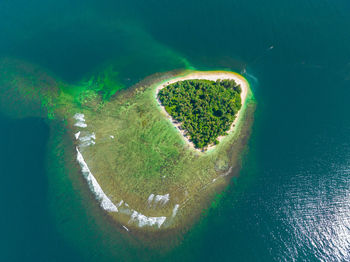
column 291, row 201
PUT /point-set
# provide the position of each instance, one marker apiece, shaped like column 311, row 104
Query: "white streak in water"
column 79, row 117
column 87, row 143
column 176, row 207
column 105, row 202
column 88, row 137
column 80, row 120
column 87, row 140
column 150, row 198
column 158, row 199
column 223, row 175
column 161, row 199
column 142, row 220
column 77, row 135
column 139, row 219
column 80, row 124
column 136, row 217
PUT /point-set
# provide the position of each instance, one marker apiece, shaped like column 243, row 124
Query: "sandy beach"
column 208, row 75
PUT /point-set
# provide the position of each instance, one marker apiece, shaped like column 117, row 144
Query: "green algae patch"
column 137, row 164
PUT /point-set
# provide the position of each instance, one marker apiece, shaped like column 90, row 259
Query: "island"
column 150, row 157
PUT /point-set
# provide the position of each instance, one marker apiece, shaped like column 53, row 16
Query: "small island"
column 149, row 154
column 205, row 109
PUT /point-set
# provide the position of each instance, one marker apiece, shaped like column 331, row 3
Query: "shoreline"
column 207, row 75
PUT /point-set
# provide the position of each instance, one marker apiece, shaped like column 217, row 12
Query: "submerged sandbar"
column 145, row 169
column 139, row 168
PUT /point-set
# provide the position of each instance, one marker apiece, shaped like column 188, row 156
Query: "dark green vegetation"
column 206, row 109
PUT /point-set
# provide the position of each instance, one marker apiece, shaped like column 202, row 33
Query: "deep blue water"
column 292, row 199
column 28, row 233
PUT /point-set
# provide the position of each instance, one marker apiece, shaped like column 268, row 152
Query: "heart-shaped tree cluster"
column 205, row 109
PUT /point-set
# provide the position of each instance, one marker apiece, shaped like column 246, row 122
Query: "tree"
column 204, row 108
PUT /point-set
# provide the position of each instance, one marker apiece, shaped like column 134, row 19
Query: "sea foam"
column 143, row 220
column 176, row 208
column 80, row 124
column 136, row 217
column 80, row 120
column 105, row 202
column 150, row 199
column 158, row 199
column 77, row 135
column 87, row 140
column 161, row 199
column 79, row 117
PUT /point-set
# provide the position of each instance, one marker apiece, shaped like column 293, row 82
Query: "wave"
column 105, row 202
column 176, row 207
column 158, row 199
column 87, row 139
column 143, row 220
column 80, row 118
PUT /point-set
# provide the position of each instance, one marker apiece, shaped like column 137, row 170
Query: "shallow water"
column 291, row 201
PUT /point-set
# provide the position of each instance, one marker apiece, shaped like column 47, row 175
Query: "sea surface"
column 291, row 201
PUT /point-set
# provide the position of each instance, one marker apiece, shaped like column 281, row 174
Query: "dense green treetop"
column 205, row 109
